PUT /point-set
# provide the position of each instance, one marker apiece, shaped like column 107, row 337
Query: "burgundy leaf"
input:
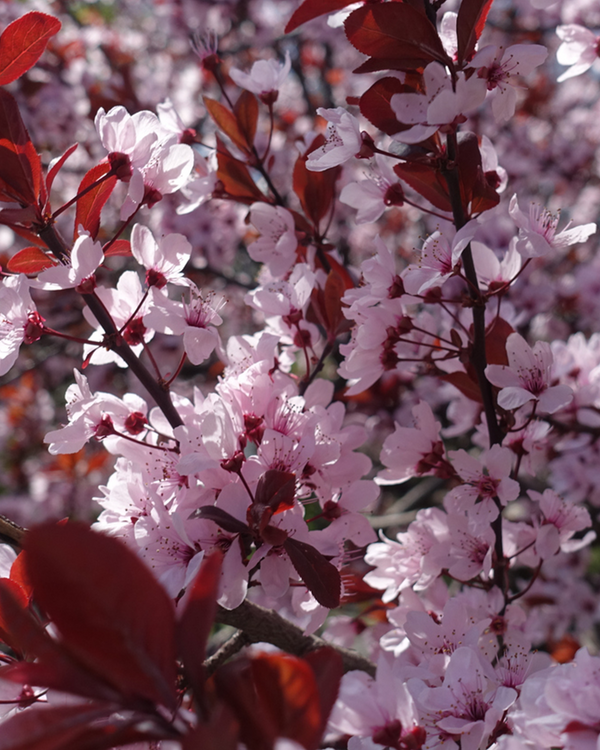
column 315, row 190
column 20, row 165
column 287, row 691
column 113, row 615
column 397, row 33
column 235, row 177
column 57, row 165
column 310, row 9
column 320, row 576
column 375, row 104
column 22, row 42
column 469, row 25
column 30, row 260
column 328, row 668
column 276, row 490
column 426, row 180
column 89, row 206
column 222, row 518
column 196, row 621
column 48, row 728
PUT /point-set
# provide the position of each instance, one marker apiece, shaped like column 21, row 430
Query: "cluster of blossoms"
column 286, row 323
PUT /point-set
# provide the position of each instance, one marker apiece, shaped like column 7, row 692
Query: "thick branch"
column 260, row 624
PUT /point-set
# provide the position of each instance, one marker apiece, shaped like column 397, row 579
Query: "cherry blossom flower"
column 579, row 49
column 164, row 259
column 498, row 68
column 376, row 712
column 441, row 104
column 415, row 559
column 276, row 247
column 127, row 305
column 527, row 377
column 440, row 258
column 467, row 708
column 19, row 320
column 372, row 196
column 265, row 78
column 86, row 256
column 414, row 451
column 195, row 320
column 537, row 232
column 95, row 415
column 145, row 154
column 482, row 484
column 343, row 140
column 559, row 523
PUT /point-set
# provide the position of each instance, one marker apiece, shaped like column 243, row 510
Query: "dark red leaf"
column 235, row 177
column 287, row 692
column 427, row 181
column 113, row 615
column 495, row 341
column 18, row 574
column 228, row 122
column 234, row 684
column 57, row 164
column 20, row 165
column 49, row 727
column 196, row 621
column 246, row 113
column 465, row 382
column 222, row 518
column 315, row 190
column 476, row 192
column 320, row 576
column 118, row 247
column 89, row 207
column 276, row 490
column 18, row 599
column 22, row 42
column 30, row 260
column 375, row 104
column 54, row 667
column 469, row 25
column 310, row 9
column 396, row 33
column 328, row 668
column 220, row 732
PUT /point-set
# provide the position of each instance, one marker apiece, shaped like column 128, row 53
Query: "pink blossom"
column 486, row 478
column 441, row 104
column 372, row 196
column 19, row 320
column 194, row 320
column 498, row 68
column 440, row 259
column 164, row 259
column 376, row 712
column 527, row 377
column 537, row 232
column 276, row 247
column 86, row 256
column 578, row 49
column 560, row 521
column 96, row 415
column 415, row 559
column 265, row 78
column 468, row 707
column 343, row 140
column 413, row 451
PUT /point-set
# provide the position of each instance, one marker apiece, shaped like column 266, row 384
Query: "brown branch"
column 12, row 530
column 261, row 624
